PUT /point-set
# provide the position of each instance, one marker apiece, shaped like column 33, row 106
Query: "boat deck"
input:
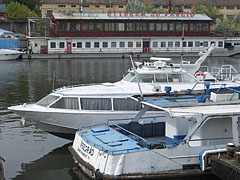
column 110, row 140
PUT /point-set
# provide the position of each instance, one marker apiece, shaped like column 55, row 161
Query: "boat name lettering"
column 86, row 148
column 153, row 14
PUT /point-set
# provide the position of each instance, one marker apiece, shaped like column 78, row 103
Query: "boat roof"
column 109, row 140
column 117, row 16
column 189, row 106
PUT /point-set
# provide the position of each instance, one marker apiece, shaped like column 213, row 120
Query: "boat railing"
column 77, row 85
column 225, row 73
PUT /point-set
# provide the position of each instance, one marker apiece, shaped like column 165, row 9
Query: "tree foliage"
column 135, row 6
column 31, row 4
column 210, row 11
column 19, row 11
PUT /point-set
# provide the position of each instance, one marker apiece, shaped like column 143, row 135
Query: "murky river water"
column 29, row 152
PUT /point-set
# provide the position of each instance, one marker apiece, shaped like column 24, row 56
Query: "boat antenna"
column 182, row 47
column 137, row 78
column 54, row 76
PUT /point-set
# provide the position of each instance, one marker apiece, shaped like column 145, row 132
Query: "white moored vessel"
column 8, row 54
column 67, row 108
column 193, row 131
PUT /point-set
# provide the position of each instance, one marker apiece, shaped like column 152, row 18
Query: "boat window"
column 163, row 44
column 123, row 104
column 105, row 44
column 146, row 78
column 79, row 44
column 96, row 104
column 190, row 44
column 53, row 45
column 184, row 44
column 160, row 77
column 197, row 43
column 87, row 44
column 164, row 27
column 113, row 44
column 121, row 44
column 66, row 103
column 151, row 27
column 174, row 78
column 61, row 45
column 220, row 44
column 205, row 135
column 129, row 77
column 155, row 44
column 170, row 44
column 96, row 44
column 47, row 100
column 138, row 44
column 177, row 44
column 130, row 44
column 205, row 44
column 158, row 26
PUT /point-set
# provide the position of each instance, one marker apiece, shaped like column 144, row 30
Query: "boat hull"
column 65, row 124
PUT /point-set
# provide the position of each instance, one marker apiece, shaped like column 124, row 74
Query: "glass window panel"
column 96, row 44
column 79, row 44
column 52, row 45
column 158, row 27
column 190, row 44
column 47, row 100
column 177, row 44
column 95, row 103
column 170, row 44
column 121, row 26
column 88, row 45
column 122, row 44
column 130, row 44
column 174, row 78
column 138, row 44
column 161, row 77
column 155, row 44
column 122, row 104
column 105, row 44
column 85, row 27
column 61, row 45
column 164, row 27
column 163, row 44
column 205, row 43
column 151, row 27
column 197, row 43
column 113, row 44
column 171, row 27
column 148, row 78
column 220, row 44
column 67, row 103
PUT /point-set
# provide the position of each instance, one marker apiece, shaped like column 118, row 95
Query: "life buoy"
column 200, row 74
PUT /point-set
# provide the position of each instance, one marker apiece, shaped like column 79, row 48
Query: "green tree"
column 236, row 22
column 16, row 10
column 223, row 25
column 149, row 8
column 135, row 6
column 210, row 11
column 31, row 4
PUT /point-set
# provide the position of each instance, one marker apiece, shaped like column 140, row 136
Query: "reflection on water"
column 29, row 152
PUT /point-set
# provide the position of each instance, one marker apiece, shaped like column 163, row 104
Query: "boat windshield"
column 47, row 100
column 129, row 76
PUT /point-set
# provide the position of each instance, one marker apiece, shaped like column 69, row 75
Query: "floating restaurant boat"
column 195, row 127
column 9, row 54
column 118, row 33
column 67, row 108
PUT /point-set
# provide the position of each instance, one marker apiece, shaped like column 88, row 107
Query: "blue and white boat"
column 194, row 128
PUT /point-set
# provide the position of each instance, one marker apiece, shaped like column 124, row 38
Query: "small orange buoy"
column 182, row 37
column 181, row 52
